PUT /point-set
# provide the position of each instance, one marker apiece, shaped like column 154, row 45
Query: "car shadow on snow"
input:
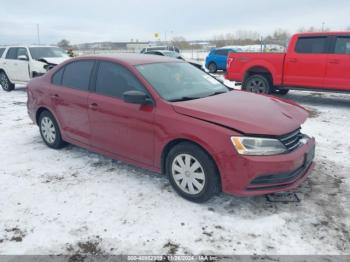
column 336, row 100
column 20, row 89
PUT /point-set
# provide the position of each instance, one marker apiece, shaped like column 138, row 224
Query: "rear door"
column 119, row 127
column 221, row 58
column 305, row 66
column 338, row 64
column 69, row 97
column 17, row 64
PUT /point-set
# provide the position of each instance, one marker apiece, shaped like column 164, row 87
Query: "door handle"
column 334, row 61
column 93, row 106
column 292, row 60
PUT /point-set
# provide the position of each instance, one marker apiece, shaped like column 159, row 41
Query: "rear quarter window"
column 311, row 45
column 342, row 45
column 2, row 50
column 223, row 52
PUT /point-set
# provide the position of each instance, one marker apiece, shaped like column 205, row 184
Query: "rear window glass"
column 222, row 52
column 342, row 45
column 12, row 53
column 311, row 45
column 57, row 77
column 77, row 75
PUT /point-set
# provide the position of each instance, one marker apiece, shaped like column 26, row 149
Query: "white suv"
column 18, row 64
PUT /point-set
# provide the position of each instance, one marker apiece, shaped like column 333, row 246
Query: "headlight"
column 257, row 146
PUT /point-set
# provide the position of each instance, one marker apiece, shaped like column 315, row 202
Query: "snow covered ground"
column 73, row 201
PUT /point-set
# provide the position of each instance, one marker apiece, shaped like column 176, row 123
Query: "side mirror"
column 136, row 97
column 22, row 57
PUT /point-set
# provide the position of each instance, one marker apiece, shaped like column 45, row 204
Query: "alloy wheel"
column 4, row 81
column 256, row 85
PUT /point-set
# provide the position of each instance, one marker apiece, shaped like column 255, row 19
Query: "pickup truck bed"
column 313, row 61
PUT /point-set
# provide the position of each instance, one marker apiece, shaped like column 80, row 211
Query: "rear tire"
column 192, row 172
column 50, row 131
column 212, row 67
column 5, row 82
column 259, row 84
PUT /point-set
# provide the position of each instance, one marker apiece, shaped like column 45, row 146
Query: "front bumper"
column 260, row 175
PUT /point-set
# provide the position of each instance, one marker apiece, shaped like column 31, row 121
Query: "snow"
column 73, row 201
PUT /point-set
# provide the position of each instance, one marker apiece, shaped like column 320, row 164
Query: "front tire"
column 212, row 67
column 192, row 172
column 257, row 84
column 50, row 131
column 5, row 82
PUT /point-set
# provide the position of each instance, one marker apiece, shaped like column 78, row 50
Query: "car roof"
column 223, row 48
column 29, row 46
column 132, row 59
column 323, row 33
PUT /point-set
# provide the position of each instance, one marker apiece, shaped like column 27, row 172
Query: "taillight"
column 230, row 60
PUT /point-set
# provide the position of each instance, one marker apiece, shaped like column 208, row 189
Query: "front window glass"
column 180, row 81
column 47, row 52
column 114, row 80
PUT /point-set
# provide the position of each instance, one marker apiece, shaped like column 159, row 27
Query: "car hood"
column 246, row 112
column 53, row 60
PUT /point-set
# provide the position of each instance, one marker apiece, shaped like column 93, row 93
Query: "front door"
column 116, row 126
column 221, row 58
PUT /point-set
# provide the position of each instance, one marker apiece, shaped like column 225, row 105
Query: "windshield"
column 180, row 81
column 41, row 52
column 171, row 54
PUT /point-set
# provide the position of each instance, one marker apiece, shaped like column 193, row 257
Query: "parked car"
column 164, row 115
column 217, row 59
column 157, row 48
column 18, row 64
column 174, row 55
column 318, row 61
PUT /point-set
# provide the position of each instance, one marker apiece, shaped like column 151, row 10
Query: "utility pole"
column 38, row 33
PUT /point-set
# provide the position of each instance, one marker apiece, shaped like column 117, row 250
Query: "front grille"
column 292, row 140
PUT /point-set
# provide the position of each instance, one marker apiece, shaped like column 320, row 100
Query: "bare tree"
column 313, row 29
column 247, row 35
column 180, row 42
column 219, row 40
column 280, row 37
column 65, row 44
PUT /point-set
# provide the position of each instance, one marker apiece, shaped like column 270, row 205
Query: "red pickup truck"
column 313, row 61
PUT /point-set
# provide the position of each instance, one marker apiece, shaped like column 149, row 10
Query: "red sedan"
column 170, row 117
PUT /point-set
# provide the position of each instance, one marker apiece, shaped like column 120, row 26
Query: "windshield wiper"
column 184, row 98
column 218, row 93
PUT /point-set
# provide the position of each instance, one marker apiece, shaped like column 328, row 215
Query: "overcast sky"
column 121, row 20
